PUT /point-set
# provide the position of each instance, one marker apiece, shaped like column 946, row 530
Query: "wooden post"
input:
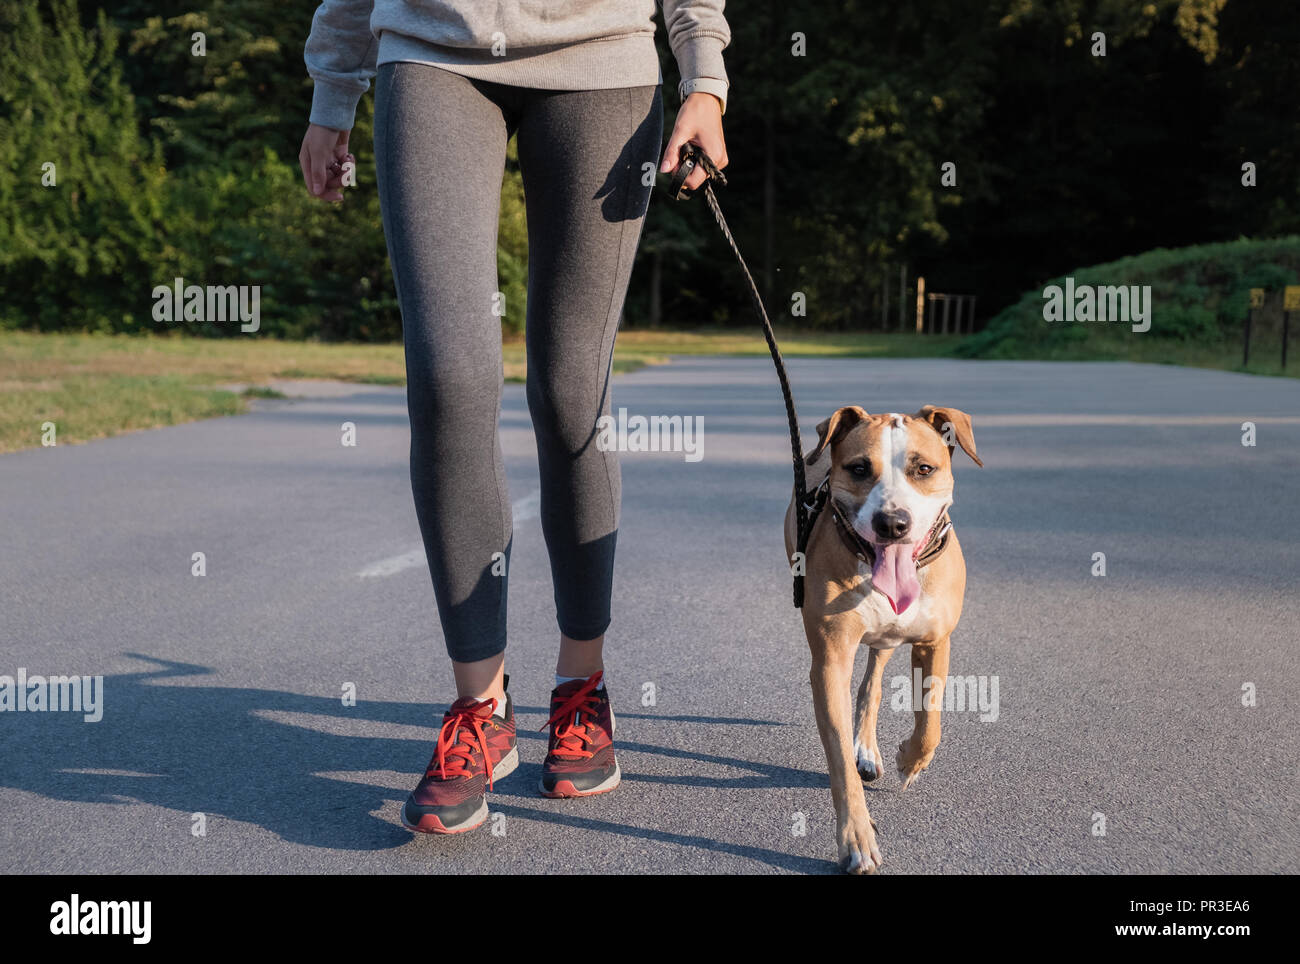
column 920, row 304
column 1256, row 301
column 1290, row 303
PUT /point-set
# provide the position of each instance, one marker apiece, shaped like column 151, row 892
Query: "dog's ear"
column 954, row 425
column 833, row 429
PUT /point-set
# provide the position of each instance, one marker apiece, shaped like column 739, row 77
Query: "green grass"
column 94, row 386
column 1199, row 302
column 731, row 341
column 83, row 407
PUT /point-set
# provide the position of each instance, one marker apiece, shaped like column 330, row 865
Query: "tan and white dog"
column 898, row 577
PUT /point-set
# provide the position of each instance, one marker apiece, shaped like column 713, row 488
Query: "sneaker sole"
column 564, row 789
column 432, row 823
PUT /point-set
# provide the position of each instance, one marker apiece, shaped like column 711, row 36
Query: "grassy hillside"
column 1199, row 300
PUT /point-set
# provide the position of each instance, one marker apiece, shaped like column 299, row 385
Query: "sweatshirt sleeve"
column 698, row 33
column 340, row 57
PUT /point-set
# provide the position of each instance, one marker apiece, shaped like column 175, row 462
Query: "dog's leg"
column 916, row 752
column 832, row 677
column 865, row 748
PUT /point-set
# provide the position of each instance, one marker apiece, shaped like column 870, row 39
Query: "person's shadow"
column 290, row 763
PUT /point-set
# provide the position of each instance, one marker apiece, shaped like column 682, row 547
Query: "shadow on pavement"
column 222, row 752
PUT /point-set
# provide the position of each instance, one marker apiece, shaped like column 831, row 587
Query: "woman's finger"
column 672, row 153
column 672, row 157
column 716, row 148
column 320, row 161
column 696, row 178
column 304, row 162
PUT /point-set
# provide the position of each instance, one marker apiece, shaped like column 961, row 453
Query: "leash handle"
column 692, row 155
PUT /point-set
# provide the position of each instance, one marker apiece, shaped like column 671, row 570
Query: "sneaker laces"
column 461, row 735
column 575, row 719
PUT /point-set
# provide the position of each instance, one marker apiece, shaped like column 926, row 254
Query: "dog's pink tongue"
column 894, row 574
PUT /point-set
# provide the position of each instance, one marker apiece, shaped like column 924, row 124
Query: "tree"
column 81, row 234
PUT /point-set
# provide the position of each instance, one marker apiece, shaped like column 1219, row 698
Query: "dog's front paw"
column 913, row 757
column 870, row 766
column 859, row 852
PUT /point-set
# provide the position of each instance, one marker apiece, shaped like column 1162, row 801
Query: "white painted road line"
column 394, row 564
column 529, row 507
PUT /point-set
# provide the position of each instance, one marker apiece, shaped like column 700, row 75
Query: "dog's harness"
column 807, row 507
column 936, row 540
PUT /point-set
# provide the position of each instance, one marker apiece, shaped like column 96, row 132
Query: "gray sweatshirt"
column 551, row 44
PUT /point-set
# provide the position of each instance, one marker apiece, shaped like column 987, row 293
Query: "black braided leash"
column 693, row 156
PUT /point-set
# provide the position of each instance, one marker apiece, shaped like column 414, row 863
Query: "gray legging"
column 440, row 147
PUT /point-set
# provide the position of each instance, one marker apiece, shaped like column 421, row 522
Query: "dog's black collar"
column 936, row 540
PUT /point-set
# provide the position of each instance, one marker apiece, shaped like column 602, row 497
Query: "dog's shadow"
column 295, row 765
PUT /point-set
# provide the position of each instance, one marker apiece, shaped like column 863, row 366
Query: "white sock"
column 559, row 680
column 501, row 708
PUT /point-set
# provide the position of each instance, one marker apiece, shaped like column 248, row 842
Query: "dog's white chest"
column 884, row 628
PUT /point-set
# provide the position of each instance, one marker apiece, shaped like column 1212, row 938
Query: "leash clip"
column 693, row 156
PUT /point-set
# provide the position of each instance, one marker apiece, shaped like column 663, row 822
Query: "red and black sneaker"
column 451, row 797
column 580, row 760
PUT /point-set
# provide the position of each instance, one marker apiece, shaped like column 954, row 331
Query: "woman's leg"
column 588, row 160
column 440, row 145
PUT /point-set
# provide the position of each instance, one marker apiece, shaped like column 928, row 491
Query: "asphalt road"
column 1119, row 695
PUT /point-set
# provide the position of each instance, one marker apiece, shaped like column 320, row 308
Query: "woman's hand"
column 323, row 155
column 698, row 122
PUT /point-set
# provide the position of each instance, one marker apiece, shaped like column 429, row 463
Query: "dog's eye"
column 860, row 470
column 923, row 470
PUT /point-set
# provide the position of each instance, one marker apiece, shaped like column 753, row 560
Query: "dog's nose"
column 891, row 525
